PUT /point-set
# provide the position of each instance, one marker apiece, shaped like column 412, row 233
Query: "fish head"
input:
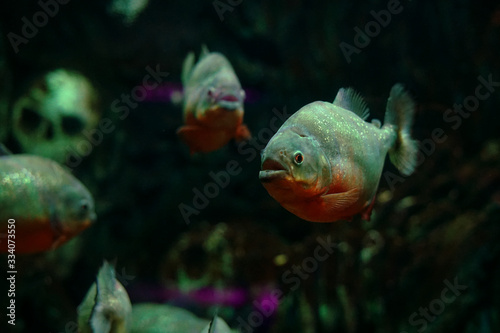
column 221, row 106
column 75, row 209
column 294, row 164
column 222, row 90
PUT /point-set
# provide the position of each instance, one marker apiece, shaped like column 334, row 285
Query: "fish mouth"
column 87, row 224
column 229, row 98
column 229, row 102
column 92, row 218
column 271, row 170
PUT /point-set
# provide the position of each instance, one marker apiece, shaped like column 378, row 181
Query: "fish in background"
column 325, row 162
column 106, row 308
column 213, row 103
column 49, row 205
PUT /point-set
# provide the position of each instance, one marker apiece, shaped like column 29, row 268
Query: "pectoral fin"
column 242, row 133
column 338, row 202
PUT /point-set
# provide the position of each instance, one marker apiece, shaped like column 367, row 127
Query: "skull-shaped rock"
column 51, row 117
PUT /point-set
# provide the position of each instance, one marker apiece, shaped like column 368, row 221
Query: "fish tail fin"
column 399, row 114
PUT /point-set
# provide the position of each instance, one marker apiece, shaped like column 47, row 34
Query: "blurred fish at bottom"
column 41, row 204
column 213, row 103
column 107, row 309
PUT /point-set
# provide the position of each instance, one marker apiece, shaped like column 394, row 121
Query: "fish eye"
column 298, row 158
column 84, row 206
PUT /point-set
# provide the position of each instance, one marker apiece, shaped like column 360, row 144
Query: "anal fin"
column 367, row 212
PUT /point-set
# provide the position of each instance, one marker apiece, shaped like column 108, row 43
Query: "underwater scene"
column 249, row 166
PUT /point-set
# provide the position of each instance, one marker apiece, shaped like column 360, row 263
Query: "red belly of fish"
column 30, row 236
column 214, row 131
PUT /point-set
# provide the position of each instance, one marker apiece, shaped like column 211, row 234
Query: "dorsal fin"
column 350, row 100
column 4, row 151
column 204, row 51
column 187, row 67
column 211, row 328
column 105, row 281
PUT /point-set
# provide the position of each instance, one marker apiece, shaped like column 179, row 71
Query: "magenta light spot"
column 233, row 297
column 167, row 92
column 171, row 92
column 267, row 302
column 207, row 296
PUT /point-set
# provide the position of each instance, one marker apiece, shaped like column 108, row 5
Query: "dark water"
column 428, row 259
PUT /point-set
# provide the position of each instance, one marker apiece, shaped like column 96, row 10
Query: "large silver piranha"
column 325, row 162
column 41, row 204
column 213, row 103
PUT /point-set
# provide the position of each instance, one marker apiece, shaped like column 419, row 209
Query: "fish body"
column 159, row 318
column 48, row 204
column 213, row 103
column 325, row 162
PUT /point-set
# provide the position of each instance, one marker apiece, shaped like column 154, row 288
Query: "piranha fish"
column 41, row 204
column 213, row 103
column 325, row 162
column 106, row 308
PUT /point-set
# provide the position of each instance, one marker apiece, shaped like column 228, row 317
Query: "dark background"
column 442, row 223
